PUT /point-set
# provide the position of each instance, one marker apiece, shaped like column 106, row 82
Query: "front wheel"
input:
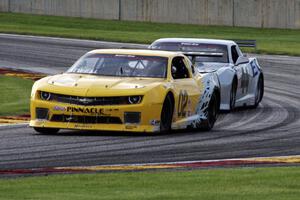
column 46, row 131
column 212, row 113
column 166, row 115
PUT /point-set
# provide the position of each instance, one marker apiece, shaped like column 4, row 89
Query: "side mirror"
column 174, row 70
column 242, row 60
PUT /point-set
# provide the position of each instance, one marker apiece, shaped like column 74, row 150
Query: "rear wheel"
column 166, row 115
column 259, row 92
column 46, row 130
column 212, row 113
column 233, row 95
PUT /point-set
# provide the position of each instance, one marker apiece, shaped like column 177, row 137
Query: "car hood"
column 206, row 67
column 93, row 85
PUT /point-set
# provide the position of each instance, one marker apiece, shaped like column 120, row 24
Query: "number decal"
column 254, row 68
column 245, row 81
column 182, row 103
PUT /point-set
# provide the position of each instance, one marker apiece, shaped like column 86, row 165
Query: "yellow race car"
column 126, row 90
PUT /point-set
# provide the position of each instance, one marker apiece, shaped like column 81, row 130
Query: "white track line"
column 186, row 162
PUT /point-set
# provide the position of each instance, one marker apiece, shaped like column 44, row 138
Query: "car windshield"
column 121, row 65
column 209, row 52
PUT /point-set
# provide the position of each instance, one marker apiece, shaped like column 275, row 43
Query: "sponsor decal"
column 82, row 126
column 40, row 120
column 59, row 108
column 98, row 111
column 154, row 122
column 254, row 68
column 130, row 126
column 86, row 100
column 182, row 103
column 244, row 80
column 189, row 44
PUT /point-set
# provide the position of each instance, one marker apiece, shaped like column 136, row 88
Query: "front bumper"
column 149, row 116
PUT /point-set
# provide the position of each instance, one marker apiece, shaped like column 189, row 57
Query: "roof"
column 136, row 52
column 197, row 40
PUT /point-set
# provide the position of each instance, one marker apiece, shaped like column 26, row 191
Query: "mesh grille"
column 132, row 117
column 41, row 113
column 88, row 101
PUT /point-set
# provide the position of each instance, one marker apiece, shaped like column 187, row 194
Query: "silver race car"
column 241, row 78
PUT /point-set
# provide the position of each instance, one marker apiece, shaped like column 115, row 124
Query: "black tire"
column 166, row 115
column 212, row 113
column 46, row 131
column 259, row 92
column 233, row 95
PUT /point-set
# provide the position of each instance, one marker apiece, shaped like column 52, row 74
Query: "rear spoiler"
column 246, row 43
column 206, row 54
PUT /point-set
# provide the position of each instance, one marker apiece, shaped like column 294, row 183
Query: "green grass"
column 242, row 184
column 14, row 95
column 272, row 41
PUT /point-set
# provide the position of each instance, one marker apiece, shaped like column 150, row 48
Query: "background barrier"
column 250, row 13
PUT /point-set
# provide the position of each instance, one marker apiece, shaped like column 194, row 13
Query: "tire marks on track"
column 270, row 130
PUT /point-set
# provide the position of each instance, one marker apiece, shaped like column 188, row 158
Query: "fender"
column 211, row 84
column 256, row 72
column 226, row 76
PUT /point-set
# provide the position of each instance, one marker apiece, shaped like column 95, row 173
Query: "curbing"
column 238, row 162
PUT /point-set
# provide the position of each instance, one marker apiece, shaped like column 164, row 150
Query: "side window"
column 179, row 69
column 234, row 54
column 191, row 66
column 238, row 50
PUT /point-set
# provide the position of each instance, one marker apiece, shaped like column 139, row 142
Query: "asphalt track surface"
column 273, row 129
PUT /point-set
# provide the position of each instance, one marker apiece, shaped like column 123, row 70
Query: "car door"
column 185, row 87
column 243, row 73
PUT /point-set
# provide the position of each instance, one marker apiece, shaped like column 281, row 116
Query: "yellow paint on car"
column 152, row 90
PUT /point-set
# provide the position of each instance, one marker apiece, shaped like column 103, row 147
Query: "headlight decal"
column 45, row 96
column 90, row 101
column 134, row 99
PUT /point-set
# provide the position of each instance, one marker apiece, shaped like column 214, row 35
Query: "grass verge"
column 14, row 95
column 243, row 183
column 270, row 41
